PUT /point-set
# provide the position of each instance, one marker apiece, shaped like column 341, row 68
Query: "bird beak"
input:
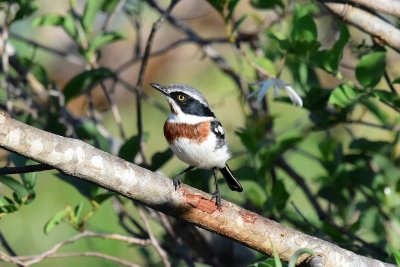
column 160, row 88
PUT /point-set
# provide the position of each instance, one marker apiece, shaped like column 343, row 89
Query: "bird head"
column 185, row 100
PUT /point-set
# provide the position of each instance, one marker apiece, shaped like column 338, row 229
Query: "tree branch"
column 81, row 160
column 367, row 22
column 391, row 7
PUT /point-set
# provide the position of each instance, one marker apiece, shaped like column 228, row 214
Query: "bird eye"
column 181, row 98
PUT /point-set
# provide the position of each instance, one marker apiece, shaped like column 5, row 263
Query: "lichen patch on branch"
column 97, row 163
column 14, row 137
column 37, row 146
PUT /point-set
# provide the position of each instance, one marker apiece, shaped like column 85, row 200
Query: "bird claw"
column 176, row 182
column 217, row 196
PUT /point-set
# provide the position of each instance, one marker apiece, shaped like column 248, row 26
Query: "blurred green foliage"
column 334, row 173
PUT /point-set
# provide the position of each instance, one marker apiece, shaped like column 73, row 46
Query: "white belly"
column 204, row 156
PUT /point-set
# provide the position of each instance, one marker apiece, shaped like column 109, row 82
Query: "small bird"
column 195, row 135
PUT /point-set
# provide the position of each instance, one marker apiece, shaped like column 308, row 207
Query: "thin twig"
column 119, row 261
column 25, row 169
column 207, row 48
column 389, row 82
column 114, row 110
column 122, row 215
column 86, row 234
column 6, row 258
column 322, row 215
column 154, row 240
column 156, row 26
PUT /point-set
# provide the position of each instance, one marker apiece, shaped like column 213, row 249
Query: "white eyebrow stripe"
column 195, row 96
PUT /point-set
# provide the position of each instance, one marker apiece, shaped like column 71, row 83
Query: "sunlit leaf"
column 7, row 205
column 14, row 185
column 49, row 20
column 85, row 81
column 345, row 96
column 329, row 59
column 54, row 221
column 90, row 12
column 105, row 39
column 378, row 112
column 371, row 68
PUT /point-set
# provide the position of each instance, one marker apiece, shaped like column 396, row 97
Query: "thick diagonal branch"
column 81, row 160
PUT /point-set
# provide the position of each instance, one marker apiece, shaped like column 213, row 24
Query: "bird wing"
column 216, row 128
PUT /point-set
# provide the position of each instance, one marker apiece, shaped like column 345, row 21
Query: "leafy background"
column 329, row 168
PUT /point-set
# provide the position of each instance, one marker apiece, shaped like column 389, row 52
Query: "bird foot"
column 176, row 182
column 217, row 196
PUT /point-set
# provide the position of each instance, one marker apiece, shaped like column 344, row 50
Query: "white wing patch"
column 220, row 130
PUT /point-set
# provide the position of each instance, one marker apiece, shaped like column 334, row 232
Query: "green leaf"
column 254, row 193
column 85, row 81
column 396, row 80
column 304, row 33
column 100, row 198
column 239, row 22
column 160, row 158
column 85, row 188
column 49, row 20
column 78, row 210
column 280, row 195
column 14, row 185
column 329, row 59
column 371, row 68
column 387, row 167
column 90, row 12
column 54, row 221
column 345, row 96
column 67, row 22
column 389, row 98
column 298, row 253
column 267, row 4
column 7, row 205
column 224, row 7
column 377, row 111
column 105, row 39
column 366, row 145
column 266, row 64
column 29, row 179
column 129, row 149
column 70, row 27
column 26, row 8
column 109, row 5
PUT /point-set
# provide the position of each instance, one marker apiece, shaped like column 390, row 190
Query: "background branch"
column 366, row 22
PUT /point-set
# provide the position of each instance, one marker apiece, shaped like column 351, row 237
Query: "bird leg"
column 177, row 178
column 216, row 194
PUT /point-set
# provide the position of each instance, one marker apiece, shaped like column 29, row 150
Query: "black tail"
column 232, row 182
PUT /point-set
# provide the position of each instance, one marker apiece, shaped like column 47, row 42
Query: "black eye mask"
column 192, row 106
